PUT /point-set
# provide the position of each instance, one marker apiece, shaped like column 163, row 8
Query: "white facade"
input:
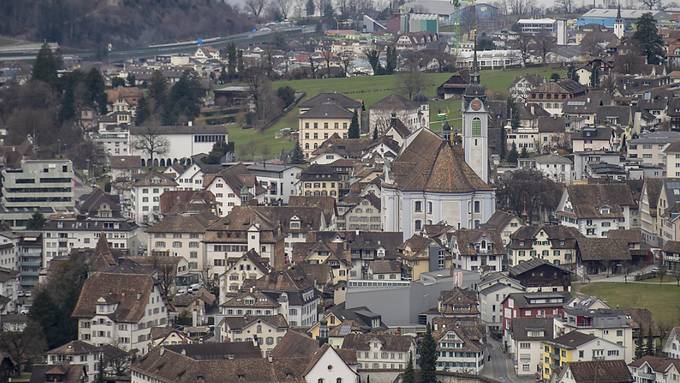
column 331, row 368
column 491, row 298
column 189, row 246
column 145, row 199
column 476, row 137
column 183, row 142
column 278, row 180
column 671, row 346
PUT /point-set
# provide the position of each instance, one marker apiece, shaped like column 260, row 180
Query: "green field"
column 250, row 142
column 662, row 300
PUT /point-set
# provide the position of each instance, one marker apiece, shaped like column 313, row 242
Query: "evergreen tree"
column 639, row 347
column 142, row 113
column 158, row 89
column 231, row 60
column 185, row 98
column 240, row 66
column 391, row 57
column 523, row 153
column 310, row 8
column 297, row 156
column 45, row 66
column 651, row 348
column 36, row 222
column 648, row 39
column 514, row 121
column 375, row 134
column 353, row 131
column 428, row 357
column 131, row 80
column 117, row 82
column 224, row 77
column 96, row 95
column 47, row 314
column 512, row 155
column 409, row 375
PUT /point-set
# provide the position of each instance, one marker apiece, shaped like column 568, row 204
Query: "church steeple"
column 474, row 74
column 619, row 26
column 618, row 12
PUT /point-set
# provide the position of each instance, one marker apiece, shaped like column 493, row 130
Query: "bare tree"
column 327, row 54
column 518, row 7
column 150, row 141
column 545, row 43
column 661, row 273
column 566, row 5
column 256, row 6
column 283, row 6
column 412, row 79
column 591, row 44
column 524, row 46
column 346, row 61
column 651, row 4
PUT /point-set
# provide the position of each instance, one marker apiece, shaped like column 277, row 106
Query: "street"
column 500, row 366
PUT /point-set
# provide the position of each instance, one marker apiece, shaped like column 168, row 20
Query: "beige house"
column 181, row 235
column 321, row 122
column 267, row 331
column 553, row 243
column 249, row 267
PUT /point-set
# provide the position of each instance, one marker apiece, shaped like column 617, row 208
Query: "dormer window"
column 249, row 301
column 604, row 210
column 381, row 253
column 295, row 223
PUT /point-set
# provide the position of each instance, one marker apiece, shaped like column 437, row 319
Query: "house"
column 554, row 243
column 67, row 374
column 428, row 182
column 552, row 95
column 671, row 256
column 596, row 371
column 359, row 212
column 233, row 186
column 413, row 114
column 381, row 351
column 167, row 336
column 458, row 303
column 125, row 167
column 318, row 121
column 540, row 275
column 267, row 331
column 651, row 149
column 194, row 305
column 206, row 53
column 278, row 180
column 117, row 308
column 594, row 209
column 460, row 345
column 341, row 321
column 655, row 369
column 602, row 255
column 593, row 139
column 557, row 168
column 527, row 336
column 504, row 223
column 492, row 290
column 421, row 254
column 146, row 195
column 320, row 180
column 181, row 235
column 88, row 356
column 671, row 345
column 576, row 346
column 667, row 206
column 249, row 267
column 531, row 305
column 333, row 364
column 477, row 249
column 9, row 289
column 608, row 324
column 648, row 206
column 522, row 86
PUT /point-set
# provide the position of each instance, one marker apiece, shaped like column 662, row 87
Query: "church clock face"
column 476, row 105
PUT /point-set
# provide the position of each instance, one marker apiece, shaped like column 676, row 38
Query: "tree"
column 286, row 94
column 409, row 375
column 240, row 65
column 117, row 82
column 158, row 89
column 391, row 60
column 310, row 8
column 373, row 57
column 555, row 77
column 131, row 80
column 524, row 45
column 283, row 6
column 255, row 7
column 651, row 4
column 95, row 85
column 661, row 273
column 485, row 44
column 142, row 113
column 428, row 357
column 24, row 347
column 523, row 153
column 184, row 99
column 527, row 189
column 676, row 275
column 354, row 131
column 412, row 78
column 45, row 66
column 231, row 60
column 219, row 149
column 36, row 222
column 651, row 347
column 512, row 154
column 327, row 54
column 639, row 347
column 151, row 142
column 345, row 61
column 297, row 156
column 375, row 135
column 545, row 43
column 648, row 39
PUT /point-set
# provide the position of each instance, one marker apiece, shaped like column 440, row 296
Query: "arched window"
column 476, row 127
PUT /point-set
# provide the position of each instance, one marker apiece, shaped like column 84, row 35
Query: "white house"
column 265, row 330
column 413, row 114
column 460, row 346
column 493, row 288
column 279, row 181
column 671, row 346
column 655, row 369
column 328, row 364
column 381, row 351
column 120, row 309
column 146, row 196
column 526, row 341
column 233, row 186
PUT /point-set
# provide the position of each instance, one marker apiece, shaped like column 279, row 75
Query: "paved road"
column 500, row 366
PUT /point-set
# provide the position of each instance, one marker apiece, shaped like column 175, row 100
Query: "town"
column 340, row 191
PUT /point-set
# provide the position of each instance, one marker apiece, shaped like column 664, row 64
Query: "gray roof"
column 327, row 110
column 625, row 13
column 601, row 318
column 521, row 327
column 180, row 129
column 657, row 138
column 552, row 159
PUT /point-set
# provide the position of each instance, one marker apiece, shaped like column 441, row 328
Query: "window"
column 477, row 206
column 418, row 206
column 418, row 224
column 476, row 127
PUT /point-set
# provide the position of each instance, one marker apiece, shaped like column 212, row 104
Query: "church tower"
column 619, row 26
column 476, row 122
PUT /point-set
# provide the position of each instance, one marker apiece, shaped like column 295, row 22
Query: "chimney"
column 139, row 296
column 162, row 351
column 190, row 123
column 269, row 358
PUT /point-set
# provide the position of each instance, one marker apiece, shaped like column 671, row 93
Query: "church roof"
column 430, row 164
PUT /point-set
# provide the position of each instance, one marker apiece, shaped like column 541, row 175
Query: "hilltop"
column 123, row 23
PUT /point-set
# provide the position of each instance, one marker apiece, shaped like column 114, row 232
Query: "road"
column 500, row 366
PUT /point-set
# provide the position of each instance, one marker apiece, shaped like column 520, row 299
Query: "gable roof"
column 360, row 342
column 430, row 164
column 532, row 264
column 600, row 371
column 587, row 199
column 521, row 326
column 573, row 339
column 603, row 249
column 295, row 345
column 331, row 97
column 328, row 110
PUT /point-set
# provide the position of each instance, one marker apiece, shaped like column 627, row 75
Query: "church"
column 442, row 178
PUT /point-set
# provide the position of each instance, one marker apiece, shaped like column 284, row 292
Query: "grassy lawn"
column 662, row 300
column 252, row 143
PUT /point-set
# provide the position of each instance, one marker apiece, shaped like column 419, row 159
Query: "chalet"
column 540, row 275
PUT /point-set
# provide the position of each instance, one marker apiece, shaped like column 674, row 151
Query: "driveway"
column 500, row 366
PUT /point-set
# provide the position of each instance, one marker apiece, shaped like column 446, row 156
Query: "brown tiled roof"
column 328, row 110
column 657, row 363
column 573, row 339
column 672, row 247
column 326, row 97
column 130, row 291
column 466, row 238
column 522, row 325
column 180, row 201
column 630, row 235
column 68, row 373
column 603, row 249
column 295, row 345
column 326, row 204
column 430, row 164
column 470, row 332
column 360, row 342
column 75, row 347
column 154, row 178
column 183, row 223
column 499, row 219
column 93, row 201
column 239, row 323
column 587, row 199
column 126, row 162
column 600, row 371
column 261, row 300
column 385, row 266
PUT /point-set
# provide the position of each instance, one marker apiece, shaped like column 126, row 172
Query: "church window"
column 476, row 127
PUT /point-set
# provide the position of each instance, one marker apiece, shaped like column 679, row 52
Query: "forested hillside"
column 124, row 23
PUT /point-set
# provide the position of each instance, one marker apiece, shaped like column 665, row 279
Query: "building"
column 29, row 259
column 671, row 346
column 431, row 182
column 413, row 114
column 181, row 235
column 183, row 142
column 320, row 180
column 492, row 290
column 279, row 180
column 247, row 268
column 611, row 325
column 460, row 345
column 541, row 275
column 537, row 25
column 527, row 336
column 608, row 16
column 655, row 369
column 576, row 346
column 9, row 288
column 234, row 186
column 381, row 351
column 671, row 256
column 331, row 113
column 557, row 168
column 267, row 331
column 119, row 309
column 146, row 196
column 594, row 209
column 552, row 95
column 359, row 212
column 531, row 305
column 655, row 149
column 553, row 243
column 476, row 124
column 84, row 354
column 601, row 371
column 477, row 250
column 44, row 186
column 504, row 223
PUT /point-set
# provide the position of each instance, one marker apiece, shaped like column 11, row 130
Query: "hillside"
column 123, row 23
